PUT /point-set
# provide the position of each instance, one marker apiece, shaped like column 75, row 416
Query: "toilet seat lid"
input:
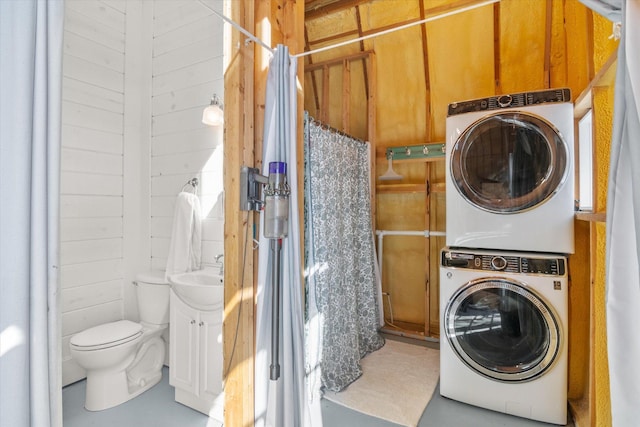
column 107, row 335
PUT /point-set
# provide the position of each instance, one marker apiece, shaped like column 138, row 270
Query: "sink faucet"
column 218, row 257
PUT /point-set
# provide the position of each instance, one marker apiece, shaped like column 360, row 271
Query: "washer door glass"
column 502, row 330
column 509, row 162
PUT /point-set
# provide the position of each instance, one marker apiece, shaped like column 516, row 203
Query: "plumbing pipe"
column 381, row 234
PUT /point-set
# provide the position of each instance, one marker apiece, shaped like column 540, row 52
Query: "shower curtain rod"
column 332, row 129
column 369, row 36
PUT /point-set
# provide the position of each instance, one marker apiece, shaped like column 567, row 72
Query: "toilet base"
column 108, row 390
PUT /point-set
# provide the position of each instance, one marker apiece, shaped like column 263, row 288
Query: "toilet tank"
column 153, row 297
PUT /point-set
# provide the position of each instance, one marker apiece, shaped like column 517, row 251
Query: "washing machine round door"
column 502, row 330
column 509, row 162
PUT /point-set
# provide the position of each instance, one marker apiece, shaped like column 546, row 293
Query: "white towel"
column 185, row 248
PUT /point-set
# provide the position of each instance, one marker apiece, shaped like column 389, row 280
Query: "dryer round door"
column 502, row 330
column 509, row 162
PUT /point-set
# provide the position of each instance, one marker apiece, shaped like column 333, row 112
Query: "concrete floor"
column 157, row 408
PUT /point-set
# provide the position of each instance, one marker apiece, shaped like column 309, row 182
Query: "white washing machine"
column 509, row 175
column 503, row 332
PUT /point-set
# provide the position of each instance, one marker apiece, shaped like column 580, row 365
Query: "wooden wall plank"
column 83, row 93
column 90, row 250
column 74, row 160
column 90, row 228
column 76, row 23
column 178, row 121
column 91, row 139
column 88, row 206
column 191, row 54
column 189, row 76
column 89, row 184
column 88, row 296
column 94, row 52
column 93, row 118
column 79, row 320
column 95, row 11
column 86, row 273
column 88, row 72
column 191, row 162
column 194, row 140
column 206, row 28
column 183, row 99
column 185, row 14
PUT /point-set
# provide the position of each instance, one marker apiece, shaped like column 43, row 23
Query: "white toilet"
column 124, row 358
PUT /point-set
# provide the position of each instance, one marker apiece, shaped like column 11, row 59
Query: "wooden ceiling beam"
column 318, row 8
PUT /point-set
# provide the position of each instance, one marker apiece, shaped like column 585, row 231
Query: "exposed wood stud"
column 547, row 43
column 314, row 83
column 427, row 80
column 364, row 61
column 346, row 95
column 324, row 107
column 496, row 47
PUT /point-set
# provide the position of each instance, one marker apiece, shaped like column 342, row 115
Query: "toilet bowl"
column 124, row 358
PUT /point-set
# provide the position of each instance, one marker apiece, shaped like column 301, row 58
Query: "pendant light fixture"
column 213, row 115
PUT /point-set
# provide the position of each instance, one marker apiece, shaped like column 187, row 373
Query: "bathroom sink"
column 200, row 289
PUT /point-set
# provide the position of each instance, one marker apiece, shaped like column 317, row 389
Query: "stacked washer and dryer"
column 503, row 274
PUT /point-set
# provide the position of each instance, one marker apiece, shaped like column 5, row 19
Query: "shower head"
column 390, row 174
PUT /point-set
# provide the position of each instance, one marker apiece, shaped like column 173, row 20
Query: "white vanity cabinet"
column 195, row 355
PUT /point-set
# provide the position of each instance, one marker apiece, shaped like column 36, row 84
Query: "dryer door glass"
column 502, row 330
column 509, row 162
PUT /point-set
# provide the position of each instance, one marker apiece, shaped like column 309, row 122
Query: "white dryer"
column 503, row 332
column 509, row 174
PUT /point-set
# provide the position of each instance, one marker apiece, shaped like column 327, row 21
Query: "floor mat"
column 396, row 384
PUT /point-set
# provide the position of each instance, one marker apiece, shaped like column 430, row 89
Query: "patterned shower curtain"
column 341, row 281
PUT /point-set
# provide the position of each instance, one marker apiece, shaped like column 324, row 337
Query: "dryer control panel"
column 509, row 263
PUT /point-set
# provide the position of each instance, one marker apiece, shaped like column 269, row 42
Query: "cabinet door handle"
column 201, row 323
column 193, row 322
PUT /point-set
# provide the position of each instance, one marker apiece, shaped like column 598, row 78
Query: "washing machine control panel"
column 510, row 100
column 501, row 262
